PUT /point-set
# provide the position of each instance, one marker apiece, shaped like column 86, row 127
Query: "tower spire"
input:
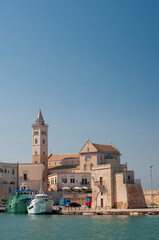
column 40, row 120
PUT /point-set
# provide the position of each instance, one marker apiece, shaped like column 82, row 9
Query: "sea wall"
column 77, row 197
column 136, row 197
column 155, row 196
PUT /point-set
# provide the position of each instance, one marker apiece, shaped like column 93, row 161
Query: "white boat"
column 40, row 204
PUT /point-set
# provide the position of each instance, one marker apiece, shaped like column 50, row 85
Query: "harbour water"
column 54, row 227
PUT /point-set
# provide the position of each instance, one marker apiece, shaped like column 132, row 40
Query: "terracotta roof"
column 105, row 148
column 75, row 166
column 63, row 156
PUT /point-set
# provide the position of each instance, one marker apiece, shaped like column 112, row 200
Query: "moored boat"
column 19, row 201
column 40, row 204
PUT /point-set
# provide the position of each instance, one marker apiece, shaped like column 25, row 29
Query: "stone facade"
column 8, row 179
column 63, row 160
column 152, row 199
column 40, row 145
column 95, row 154
column 32, row 175
column 113, row 186
column 57, row 181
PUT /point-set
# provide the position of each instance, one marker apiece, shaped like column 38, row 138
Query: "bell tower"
column 40, row 145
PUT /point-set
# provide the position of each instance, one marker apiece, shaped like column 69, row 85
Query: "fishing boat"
column 18, row 202
column 40, row 204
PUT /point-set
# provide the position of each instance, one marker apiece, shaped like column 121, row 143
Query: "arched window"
column 91, row 166
column 85, row 167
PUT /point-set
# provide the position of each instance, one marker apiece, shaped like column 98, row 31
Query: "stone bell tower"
column 40, row 145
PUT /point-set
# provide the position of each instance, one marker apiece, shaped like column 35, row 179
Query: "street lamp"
column 151, row 182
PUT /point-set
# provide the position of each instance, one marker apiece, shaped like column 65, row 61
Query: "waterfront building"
column 96, row 166
column 113, row 186
column 8, row 178
column 31, row 175
column 58, row 181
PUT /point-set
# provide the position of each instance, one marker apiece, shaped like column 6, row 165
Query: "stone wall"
column 155, row 196
column 77, row 197
column 136, row 197
column 55, row 196
column 6, row 190
column 120, row 196
column 102, row 190
column 34, row 185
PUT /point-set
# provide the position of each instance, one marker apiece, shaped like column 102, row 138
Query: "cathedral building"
column 96, row 166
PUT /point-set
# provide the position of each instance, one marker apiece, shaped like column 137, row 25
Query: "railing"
column 84, row 183
column 99, row 183
column 129, row 181
column 137, row 181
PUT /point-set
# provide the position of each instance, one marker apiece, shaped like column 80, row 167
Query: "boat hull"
column 40, row 206
column 18, row 203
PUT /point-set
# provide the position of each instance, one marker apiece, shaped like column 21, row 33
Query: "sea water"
column 41, row 227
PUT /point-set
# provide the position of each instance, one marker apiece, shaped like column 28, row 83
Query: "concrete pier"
column 91, row 211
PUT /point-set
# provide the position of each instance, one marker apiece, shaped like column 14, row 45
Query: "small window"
column 25, row 176
column 12, row 171
column 36, row 140
column 101, row 181
column 87, row 149
column 91, row 166
column 36, row 133
column 43, row 133
column 84, row 181
column 5, row 170
column 128, row 177
column 35, row 152
column 72, row 180
column 35, row 161
column 43, row 153
column 64, row 180
column 43, row 141
column 101, row 193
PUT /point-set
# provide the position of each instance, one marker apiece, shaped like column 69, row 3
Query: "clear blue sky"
column 93, row 69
